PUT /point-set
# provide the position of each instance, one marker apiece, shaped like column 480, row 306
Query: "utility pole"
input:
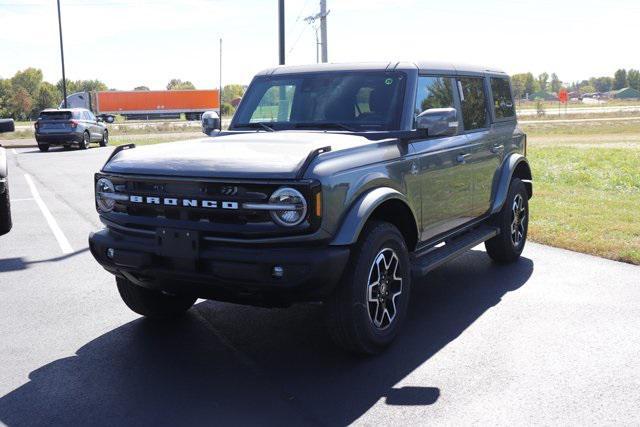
column 281, row 30
column 323, row 29
column 64, row 79
column 321, row 42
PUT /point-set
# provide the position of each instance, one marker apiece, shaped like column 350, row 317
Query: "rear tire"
column 86, row 140
column 152, row 304
column 513, row 221
column 366, row 311
column 5, row 211
column 43, row 147
column 105, row 139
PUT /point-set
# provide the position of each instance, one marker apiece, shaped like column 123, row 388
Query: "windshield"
column 357, row 101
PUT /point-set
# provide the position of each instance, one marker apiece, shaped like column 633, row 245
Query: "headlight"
column 288, row 197
column 104, row 189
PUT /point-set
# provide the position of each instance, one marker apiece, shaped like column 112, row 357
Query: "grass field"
column 587, row 187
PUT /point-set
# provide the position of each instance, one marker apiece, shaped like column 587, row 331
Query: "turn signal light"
column 319, row 204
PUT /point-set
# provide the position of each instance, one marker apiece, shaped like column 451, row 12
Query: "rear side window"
column 55, row 115
column 474, row 103
column 433, row 92
column 502, row 100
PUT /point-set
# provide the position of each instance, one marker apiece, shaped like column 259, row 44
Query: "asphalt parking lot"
column 552, row 339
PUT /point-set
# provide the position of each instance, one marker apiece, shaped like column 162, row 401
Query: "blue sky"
column 148, row 42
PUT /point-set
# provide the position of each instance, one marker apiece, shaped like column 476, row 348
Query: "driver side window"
column 433, row 92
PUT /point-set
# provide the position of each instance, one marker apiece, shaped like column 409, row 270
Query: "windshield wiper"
column 261, row 125
column 324, row 125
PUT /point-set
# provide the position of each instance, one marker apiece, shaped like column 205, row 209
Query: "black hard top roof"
column 423, row 66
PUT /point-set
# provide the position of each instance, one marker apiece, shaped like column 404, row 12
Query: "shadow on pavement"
column 225, row 363
column 18, row 263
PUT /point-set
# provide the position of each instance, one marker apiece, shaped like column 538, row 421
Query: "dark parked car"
column 335, row 183
column 67, row 127
column 6, row 125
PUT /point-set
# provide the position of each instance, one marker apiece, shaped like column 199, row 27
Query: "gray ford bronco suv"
column 334, row 183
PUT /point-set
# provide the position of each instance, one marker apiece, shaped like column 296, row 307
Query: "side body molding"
column 509, row 166
column 360, row 212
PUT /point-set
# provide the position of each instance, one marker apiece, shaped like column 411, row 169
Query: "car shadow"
column 224, row 363
column 19, row 263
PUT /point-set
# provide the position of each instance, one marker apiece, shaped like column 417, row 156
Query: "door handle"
column 497, row 148
column 462, row 158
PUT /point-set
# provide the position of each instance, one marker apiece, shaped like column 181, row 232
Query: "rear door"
column 476, row 120
column 92, row 125
column 503, row 113
column 440, row 167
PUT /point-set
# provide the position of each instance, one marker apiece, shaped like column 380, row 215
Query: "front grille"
column 219, row 220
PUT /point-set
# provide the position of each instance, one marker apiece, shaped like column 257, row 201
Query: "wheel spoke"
column 384, row 287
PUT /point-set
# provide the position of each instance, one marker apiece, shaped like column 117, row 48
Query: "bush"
column 227, row 109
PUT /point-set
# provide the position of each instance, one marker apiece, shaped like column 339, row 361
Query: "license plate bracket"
column 175, row 243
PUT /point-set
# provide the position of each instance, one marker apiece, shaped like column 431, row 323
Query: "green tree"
column 141, row 88
column 74, row 86
column 602, row 84
column 620, row 79
column 29, row 79
column 518, row 85
column 633, row 77
column 556, row 84
column 530, row 84
column 48, row 97
column 587, row 88
column 5, row 95
column 177, row 84
column 543, row 81
column 231, row 92
column 20, row 104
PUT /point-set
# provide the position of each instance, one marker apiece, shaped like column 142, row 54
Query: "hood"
column 256, row 155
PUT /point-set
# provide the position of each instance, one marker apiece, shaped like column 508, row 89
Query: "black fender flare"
column 509, row 166
column 361, row 210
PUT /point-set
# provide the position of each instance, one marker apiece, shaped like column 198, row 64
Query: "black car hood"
column 248, row 155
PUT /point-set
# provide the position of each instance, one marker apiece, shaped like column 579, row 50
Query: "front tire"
column 365, row 313
column 150, row 303
column 43, row 147
column 513, row 221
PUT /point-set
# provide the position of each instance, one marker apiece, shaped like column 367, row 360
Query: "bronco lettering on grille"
column 187, row 203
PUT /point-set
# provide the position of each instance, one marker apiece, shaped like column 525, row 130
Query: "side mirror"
column 438, row 121
column 7, row 125
column 210, row 122
column 99, row 119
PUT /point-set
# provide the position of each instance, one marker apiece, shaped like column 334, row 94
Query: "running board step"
column 424, row 262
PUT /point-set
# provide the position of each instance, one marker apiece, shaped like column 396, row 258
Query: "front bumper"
column 233, row 273
column 59, row 138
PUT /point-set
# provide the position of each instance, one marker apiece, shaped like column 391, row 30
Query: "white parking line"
column 53, row 225
column 22, row 200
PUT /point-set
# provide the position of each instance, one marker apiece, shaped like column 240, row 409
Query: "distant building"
column 625, row 93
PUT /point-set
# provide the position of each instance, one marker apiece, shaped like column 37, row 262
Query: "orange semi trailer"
column 147, row 104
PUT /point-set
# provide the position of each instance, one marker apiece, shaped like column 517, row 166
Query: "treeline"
column 24, row 95
column 526, row 83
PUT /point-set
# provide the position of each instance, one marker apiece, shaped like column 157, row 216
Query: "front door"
column 441, row 166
